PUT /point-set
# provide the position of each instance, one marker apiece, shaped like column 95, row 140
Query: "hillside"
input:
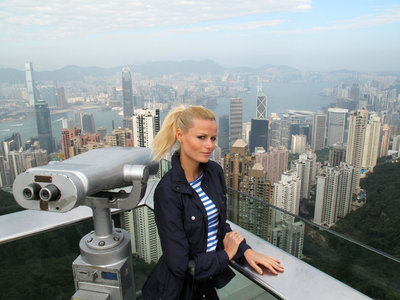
column 377, row 223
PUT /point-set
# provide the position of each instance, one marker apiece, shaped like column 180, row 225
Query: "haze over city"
column 309, row 35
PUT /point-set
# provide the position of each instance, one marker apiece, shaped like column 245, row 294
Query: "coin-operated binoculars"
column 104, row 268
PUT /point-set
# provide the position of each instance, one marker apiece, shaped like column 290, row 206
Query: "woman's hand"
column 232, row 241
column 255, row 259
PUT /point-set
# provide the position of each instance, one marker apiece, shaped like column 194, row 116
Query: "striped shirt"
column 212, row 214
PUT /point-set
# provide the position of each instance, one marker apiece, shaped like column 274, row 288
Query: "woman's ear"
column 179, row 135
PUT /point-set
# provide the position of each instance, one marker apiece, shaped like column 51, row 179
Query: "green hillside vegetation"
column 377, row 223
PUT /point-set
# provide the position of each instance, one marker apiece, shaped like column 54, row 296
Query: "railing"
column 370, row 271
column 39, row 266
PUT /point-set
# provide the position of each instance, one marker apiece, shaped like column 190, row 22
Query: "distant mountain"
column 184, row 67
column 76, row 73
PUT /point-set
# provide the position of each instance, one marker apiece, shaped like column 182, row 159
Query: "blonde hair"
column 179, row 117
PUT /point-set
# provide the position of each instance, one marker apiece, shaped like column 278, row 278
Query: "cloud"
column 380, row 17
column 60, row 18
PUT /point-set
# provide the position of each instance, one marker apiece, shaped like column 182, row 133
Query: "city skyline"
column 303, row 34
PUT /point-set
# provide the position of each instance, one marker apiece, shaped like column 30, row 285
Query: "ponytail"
column 179, row 117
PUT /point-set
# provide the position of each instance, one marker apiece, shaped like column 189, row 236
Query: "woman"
column 190, row 212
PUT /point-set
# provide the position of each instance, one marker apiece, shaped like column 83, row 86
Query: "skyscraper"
column 127, row 94
column 235, row 120
column 336, row 125
column 298, row 143
column 385, row 141
column 61, row 100
column 253, row 214
column 88, row 123
column 334, row 194
column 258, row 134
column 146, row 124
column 43, row 122
column 355, row 143
column 236, row 165
column 371, row 148
column 223, row 133
column 261, row 112
column 288, row 234
column 319, row 131
column 30, row 84
column 306, row 171
column 275, row 162
column 337, row 154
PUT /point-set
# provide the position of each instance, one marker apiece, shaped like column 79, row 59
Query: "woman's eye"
column 213, row 139
column 201, row 137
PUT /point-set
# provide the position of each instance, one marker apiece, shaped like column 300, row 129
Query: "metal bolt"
column 116, row 238
column 118, row 230
column 102, row 243
column 89, row 240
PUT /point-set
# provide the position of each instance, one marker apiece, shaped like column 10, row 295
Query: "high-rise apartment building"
column 306, row 171
column 371, row 144
column 145, row 242
column 288, row 234
column 253, row 214
column 4, row 174
column 274, row 162
column 287, row 192
column 355, row 144
column 31, row 84
column 121, row 137
column 11, row 143
column 140, row 222
column 146, row 124
column 43, row 122
column 334, row 194
column 337, row 154
column 235, row 120
column 74, row 142
column 102, row 131
column 223, row 133
column 298, row 143
column 319, row 131
column 385, row 141
column 336, row 125
column 236, row 165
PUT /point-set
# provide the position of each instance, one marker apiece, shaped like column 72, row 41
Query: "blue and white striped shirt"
column 212, row 214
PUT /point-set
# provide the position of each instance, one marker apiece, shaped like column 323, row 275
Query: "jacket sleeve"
column 227, row 228
column 169, row 217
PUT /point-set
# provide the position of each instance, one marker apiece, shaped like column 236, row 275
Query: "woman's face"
column 198, row 142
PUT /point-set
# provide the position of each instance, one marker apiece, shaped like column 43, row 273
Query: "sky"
column 360, row 35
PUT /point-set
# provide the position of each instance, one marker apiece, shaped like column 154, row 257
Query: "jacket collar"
column 178, row 175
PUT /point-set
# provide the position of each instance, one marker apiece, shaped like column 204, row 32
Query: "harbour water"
column 281, row 97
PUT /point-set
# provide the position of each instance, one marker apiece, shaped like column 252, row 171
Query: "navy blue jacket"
column 182, row 226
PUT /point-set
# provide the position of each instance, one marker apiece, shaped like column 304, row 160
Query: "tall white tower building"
column 355, row 144
column 371, row 144
column 30, row 84
column 334, row 194
column 140, row 222
column 146, row 124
